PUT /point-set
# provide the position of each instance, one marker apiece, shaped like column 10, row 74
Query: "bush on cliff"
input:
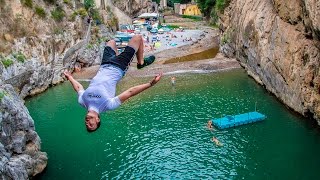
column 28, row 3
column 40, row 11
column 89, row 4
column 7, row 62
column 58, row 14
column 50, row 1
column 221, row 5
column 19, row 56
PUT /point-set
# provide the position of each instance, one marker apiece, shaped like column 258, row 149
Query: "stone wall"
column 277, row 41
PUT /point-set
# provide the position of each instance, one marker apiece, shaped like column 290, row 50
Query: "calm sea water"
column 162, row 134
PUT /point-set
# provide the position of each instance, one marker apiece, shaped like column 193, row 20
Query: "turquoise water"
column 162, row 134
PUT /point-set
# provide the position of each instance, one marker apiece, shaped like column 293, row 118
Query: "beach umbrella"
column 157, row 45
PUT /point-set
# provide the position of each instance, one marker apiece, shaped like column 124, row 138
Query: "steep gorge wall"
column 32, row 50
column 135, row 7
column 277, row 41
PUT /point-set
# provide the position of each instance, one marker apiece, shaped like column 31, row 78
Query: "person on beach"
column 100, row 95
column 216, row 141
column 173, row 80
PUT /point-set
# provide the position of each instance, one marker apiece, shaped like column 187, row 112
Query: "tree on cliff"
column 89, row 4
column 210, row 8
column 206, row 7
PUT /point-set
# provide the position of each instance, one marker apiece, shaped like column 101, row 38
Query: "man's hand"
column 156, row 79
column 138, row 89
column 75, row 84
column 67, row 74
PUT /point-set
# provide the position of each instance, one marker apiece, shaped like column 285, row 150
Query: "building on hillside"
column 187, row 9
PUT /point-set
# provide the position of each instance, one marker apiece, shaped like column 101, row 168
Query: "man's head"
column 92, row 121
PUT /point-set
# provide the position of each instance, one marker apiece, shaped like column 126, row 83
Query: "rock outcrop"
column 34, row 51
column 20, row 155
column 136, row 7
column 277, row 41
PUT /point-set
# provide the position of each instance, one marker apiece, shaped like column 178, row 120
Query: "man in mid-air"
column 100, row 95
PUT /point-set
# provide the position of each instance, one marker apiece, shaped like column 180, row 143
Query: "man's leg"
column 136, row 42
column 112, row 44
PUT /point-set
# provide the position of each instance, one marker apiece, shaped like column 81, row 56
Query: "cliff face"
column 135, row 7
column 20, row 155
column 277, row 41
column 38, row 41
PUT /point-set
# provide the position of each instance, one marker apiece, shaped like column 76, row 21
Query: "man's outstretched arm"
column 75, row 84
column 138, row 89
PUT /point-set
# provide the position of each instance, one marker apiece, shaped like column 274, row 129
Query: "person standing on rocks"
column 100, row 95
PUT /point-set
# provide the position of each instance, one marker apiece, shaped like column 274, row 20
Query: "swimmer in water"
column 209, row 125
column 216, row 141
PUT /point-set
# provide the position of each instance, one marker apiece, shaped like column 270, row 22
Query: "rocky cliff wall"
column 35, row 49
column 20, row 155
column 134, row 8
column 277, row 41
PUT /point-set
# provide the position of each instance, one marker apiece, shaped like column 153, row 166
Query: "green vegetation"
column 40, row 11
column 108, row 8
column 57, row 30
column 89, row 46
column 28, row 3
column 226, row 37
column 114, row 21
column 89, row 4
column 221, row 5
column 20, row 57
column 172, row 26
column 50, row 1
column 58, row 14
column 96, row 15
column 196, row 18
column 211, row 8
column 82, row 12
column 206, row 6
column 66, row 1
column 7, row 62
column 2, row 94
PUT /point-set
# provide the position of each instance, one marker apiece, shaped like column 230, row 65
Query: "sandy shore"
column 208, row 38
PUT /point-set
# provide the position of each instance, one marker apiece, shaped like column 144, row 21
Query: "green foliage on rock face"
column 57, row 30
column 211, row 8
column 2, row 94
column 40, row 11
column 28, row 3
column 206, row 6
column 58, row 14
column 50, row 1
column 66, row 1
column 82, row 12
column 89, row 4
column 96, row 15
column 221, row 5
column 20, row 57
column 7, row 62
